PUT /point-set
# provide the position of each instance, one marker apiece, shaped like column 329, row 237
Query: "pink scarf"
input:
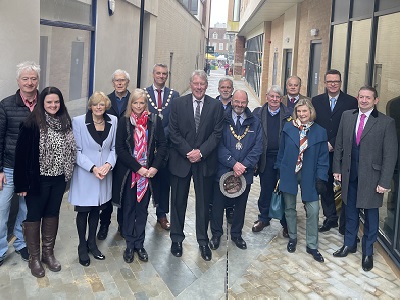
column 140, row 152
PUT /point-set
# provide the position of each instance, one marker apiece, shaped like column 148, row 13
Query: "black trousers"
column 328, row 199
column 161, row 189
column 218, row 212
column 179, row 197
column 135, row 217
column 105, row 215
column 47, row 203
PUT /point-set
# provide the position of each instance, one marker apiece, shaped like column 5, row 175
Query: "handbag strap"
column 277, row 186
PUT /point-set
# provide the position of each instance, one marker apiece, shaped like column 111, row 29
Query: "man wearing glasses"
column 329, row 107
column 119, row 99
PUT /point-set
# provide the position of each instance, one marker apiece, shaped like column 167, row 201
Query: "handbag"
column 277, row 206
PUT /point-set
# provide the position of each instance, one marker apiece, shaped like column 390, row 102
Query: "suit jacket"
column 328, row 119
column 285, row 99
column 377, row 156
column 113, row 110
column 169, row 95
column 183, row 136
column 86, row 189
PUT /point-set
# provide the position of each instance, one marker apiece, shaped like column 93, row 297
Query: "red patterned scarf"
column 140, row 152
column 303, row 129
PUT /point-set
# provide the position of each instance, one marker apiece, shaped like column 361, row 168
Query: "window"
column 225, row 37
column 339, row 47
column 215, row 35
column 341, row 11
column 191, row 5
column 72, row 11
column 221, row 46
column 227, row 46
column 252, row 62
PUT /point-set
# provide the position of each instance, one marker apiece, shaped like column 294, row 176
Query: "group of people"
column 131, row 147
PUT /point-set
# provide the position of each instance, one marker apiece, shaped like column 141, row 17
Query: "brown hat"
column 232, row 186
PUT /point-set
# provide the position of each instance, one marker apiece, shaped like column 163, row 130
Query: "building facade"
column 79, row 43
column 277, row 39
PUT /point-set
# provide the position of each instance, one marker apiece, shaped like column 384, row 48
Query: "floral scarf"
column 140, row 152
column 303, row 129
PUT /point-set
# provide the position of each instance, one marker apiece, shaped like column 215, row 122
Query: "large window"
column 72, row 11
column 359, row 51
column 253, row 62
column 339, row 47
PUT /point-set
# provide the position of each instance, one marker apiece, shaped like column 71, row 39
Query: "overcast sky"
column 219, row 11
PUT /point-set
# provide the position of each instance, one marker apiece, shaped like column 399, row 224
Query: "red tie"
column 159, row 99
column 292, row 100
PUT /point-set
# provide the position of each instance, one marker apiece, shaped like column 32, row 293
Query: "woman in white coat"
column 90, row 188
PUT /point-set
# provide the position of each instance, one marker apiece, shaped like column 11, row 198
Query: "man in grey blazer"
column 364, row 160
column 195, row 128
column 293, row 85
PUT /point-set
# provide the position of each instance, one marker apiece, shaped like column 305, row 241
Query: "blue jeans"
column 5, row 203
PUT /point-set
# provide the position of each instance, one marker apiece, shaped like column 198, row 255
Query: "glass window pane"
column 339, row 47
column 362, row 8
column 72, row 11
column 387, row 4
column 341, row 10
column 64, row 61
column 253, row 62
column 359, row 51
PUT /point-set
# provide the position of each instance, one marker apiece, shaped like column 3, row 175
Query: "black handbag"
column 277, row 206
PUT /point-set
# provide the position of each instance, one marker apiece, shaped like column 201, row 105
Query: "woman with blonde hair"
column 141, row 147
column 90, row 189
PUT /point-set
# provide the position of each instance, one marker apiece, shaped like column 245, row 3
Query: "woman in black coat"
column 141, row 147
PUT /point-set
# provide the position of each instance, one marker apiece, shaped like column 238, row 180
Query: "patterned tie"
column 333, row 103
column 197, row 115
column 238, row 124
column 292, row 100
column 360, row 129
column 159, row 105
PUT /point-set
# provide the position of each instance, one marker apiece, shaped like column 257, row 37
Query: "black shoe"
column 344, row 251
column 315, row 253
column 128, row 255
column 176, row 249
column 328, row 226
column 229, row 214
column 24, row 253
column 205, row 252
column 103, row 231
column 259, row 225
column 96, row 253
column 142, row 254
column 291, row 246
column 83, row 255
column 214, row 242
column 367, row 262
column 239, row 242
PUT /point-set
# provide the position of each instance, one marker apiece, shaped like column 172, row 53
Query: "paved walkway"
column 264, row 271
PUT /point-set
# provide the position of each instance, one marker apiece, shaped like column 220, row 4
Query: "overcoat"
column 86, row 189
column 315, row 161
column 377, row 156
column 125, row 145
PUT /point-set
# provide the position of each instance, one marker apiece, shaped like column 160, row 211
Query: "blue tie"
column 333, row 103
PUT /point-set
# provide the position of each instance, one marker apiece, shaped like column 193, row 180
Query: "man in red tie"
column 293, row 85
column 160, row 98
column 364, row 160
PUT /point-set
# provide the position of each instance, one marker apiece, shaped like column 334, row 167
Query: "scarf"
column 303, row 129
column 140, row 152
column 46, row 151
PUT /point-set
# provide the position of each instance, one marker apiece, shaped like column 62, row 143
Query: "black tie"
column 197, row 115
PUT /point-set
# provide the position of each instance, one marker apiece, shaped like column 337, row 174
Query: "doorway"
column 314, row 71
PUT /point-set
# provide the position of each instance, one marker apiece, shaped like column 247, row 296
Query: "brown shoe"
column 164, row 223
column 259, row 225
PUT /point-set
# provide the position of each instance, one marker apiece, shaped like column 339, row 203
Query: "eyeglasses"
column 333, row 82
column 120, row 80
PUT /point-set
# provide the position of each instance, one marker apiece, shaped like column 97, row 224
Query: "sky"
column 219, row 11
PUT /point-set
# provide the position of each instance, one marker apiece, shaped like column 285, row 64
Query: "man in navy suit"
column 195, row 129
column 119, row 99
column 160, row 98
column 329, row 107
column 364, row 161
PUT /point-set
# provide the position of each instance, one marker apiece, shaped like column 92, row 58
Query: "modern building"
column 79, row 43
column 277, row 39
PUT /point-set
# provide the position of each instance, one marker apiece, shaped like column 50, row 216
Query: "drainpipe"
column 139, row 67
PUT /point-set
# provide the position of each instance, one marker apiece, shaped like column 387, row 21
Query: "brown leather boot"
column 49, row 233
column 31, row 231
